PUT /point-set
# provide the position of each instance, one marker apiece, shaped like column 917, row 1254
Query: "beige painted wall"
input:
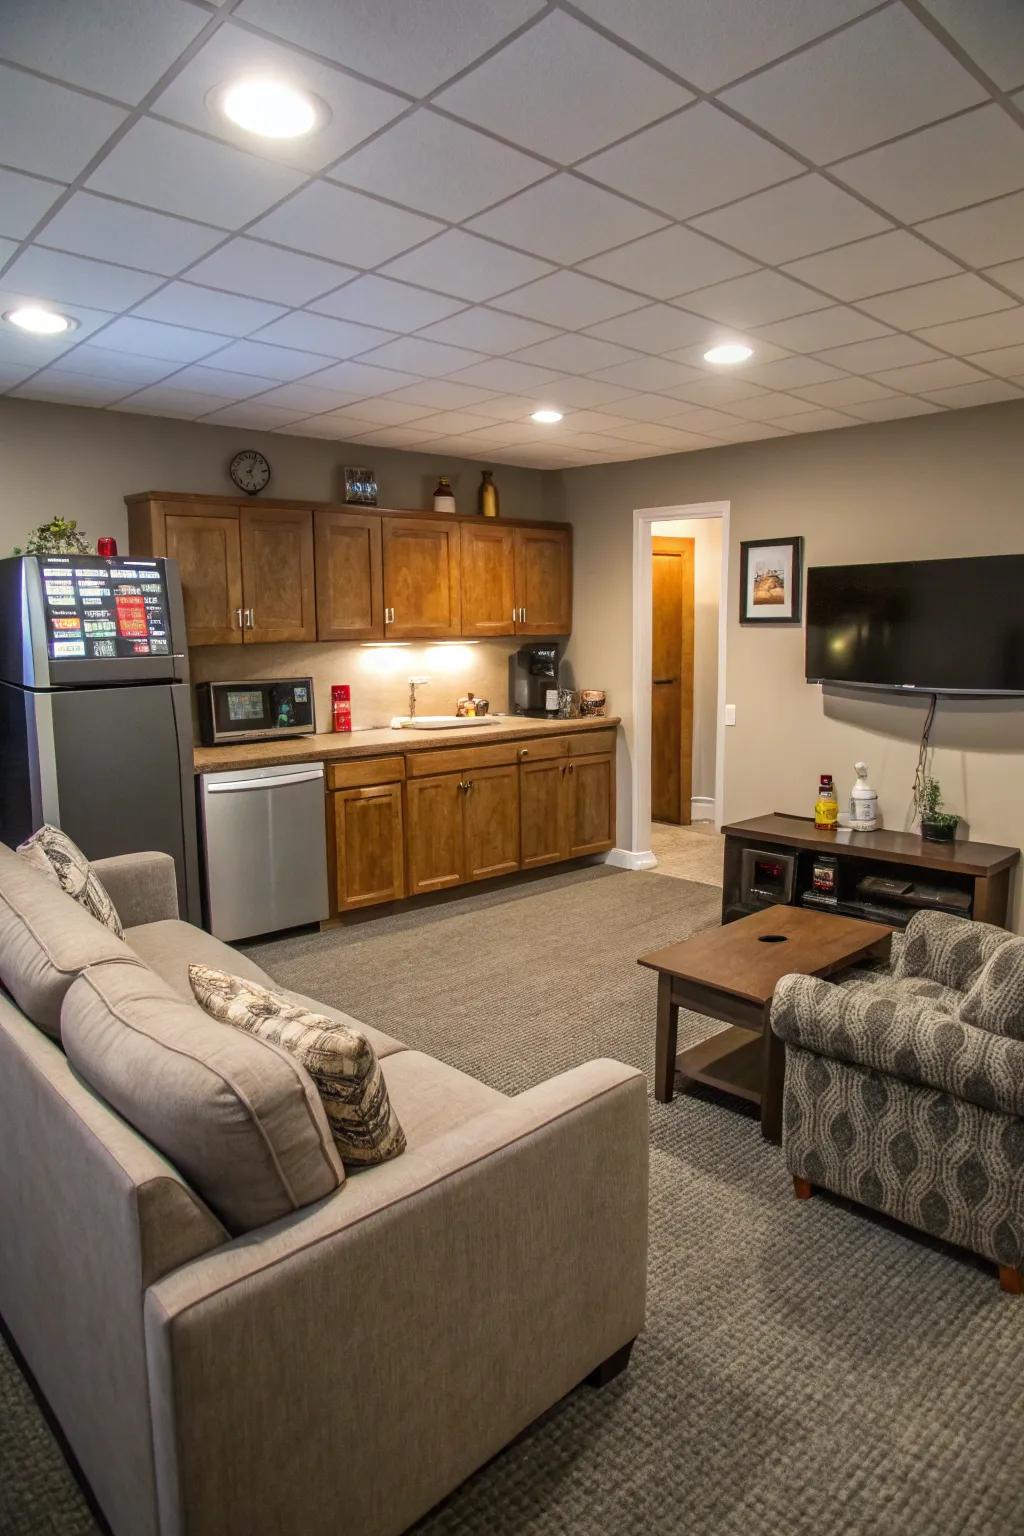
column 941, row 486
column 706, row 533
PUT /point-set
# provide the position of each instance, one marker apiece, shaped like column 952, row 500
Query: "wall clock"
column 250, row 471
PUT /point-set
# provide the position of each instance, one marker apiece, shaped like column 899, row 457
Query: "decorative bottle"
column 487, row 495
column 444, row 496
column 826, row 807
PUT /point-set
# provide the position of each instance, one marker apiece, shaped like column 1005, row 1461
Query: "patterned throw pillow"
column 340, row 1060
column 52, row 851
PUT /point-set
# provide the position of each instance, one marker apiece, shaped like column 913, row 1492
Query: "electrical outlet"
column 730, row 714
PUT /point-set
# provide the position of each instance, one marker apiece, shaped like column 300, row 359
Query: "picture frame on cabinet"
column 360, row 487
column 771, row 581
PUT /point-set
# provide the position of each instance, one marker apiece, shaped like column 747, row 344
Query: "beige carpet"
column 695, row 852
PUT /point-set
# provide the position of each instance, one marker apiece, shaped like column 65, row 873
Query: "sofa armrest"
column 387, row 1341
column 903, row 1037
column 952, row 951
column 142, row 886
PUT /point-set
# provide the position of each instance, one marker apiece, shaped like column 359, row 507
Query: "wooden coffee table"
column 730, row 973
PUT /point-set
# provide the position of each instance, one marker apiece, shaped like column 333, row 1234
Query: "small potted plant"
column 60, row 536
column 937, row 825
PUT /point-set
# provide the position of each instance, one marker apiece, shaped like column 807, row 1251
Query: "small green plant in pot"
column 937, row 825
column 60, row 536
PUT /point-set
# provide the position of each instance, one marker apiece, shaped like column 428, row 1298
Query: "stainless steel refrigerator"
column 95, row 715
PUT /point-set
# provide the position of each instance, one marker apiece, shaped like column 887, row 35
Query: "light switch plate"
column 730, row 714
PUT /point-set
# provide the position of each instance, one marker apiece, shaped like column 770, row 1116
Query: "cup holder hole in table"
column 773, row 938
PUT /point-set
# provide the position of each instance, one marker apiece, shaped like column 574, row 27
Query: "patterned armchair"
column 904, row 1087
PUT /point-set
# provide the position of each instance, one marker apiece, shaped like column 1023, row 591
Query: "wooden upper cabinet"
column 421, row 579
column 543, row 567
column 349, row 579
column 208, row 552
column 488, row 578
column 277, row 574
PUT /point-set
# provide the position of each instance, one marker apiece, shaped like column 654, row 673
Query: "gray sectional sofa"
column 343, row 1367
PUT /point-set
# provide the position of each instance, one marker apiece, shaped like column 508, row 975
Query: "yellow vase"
column 487, row 495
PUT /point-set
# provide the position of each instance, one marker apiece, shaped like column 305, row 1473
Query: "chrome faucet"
column 414, row 683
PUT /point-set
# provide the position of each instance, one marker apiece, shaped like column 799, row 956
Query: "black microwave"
column 281, row 706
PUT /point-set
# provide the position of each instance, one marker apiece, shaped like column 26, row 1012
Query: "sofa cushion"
column 338, row 1058
column 238, row 1116
column 431, row 1098
column 46, row 941
column 53, row 852
column 996, row 1001
column 950, row 950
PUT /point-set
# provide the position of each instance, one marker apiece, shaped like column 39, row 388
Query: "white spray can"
column 864, row 815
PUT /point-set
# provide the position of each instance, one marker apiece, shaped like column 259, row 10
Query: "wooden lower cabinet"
column 590, row 813
column 567, row 808
column 542, row 807
column 434, row 838
column 490, row 822
column 369, row 842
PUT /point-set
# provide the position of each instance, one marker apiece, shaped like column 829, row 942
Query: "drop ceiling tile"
column 568, row 300
column 151, row 339
column 819, row 421
column 788, row 372
column 485, row 330
column 584, row 392
column 824, row 328
column 252, row 413
column 197, row 178
column 714, row 392
column 326, row 426
column 88, row 225
column 303, row 397
column 988, row 392
column 991, row 31
column 267, row 362
column 695, row 161
column 658, row 328
column 361, row 379
column 325, row 220
column 207, row 309
column 844, row 392
column 693, row 357
column 71, row 388
column 13, row 373
column 633, row 407
column 573, row 353
column 566, row 219
column 944, row 373
column 504, row 373
column 962, row 161
column 320, row 333
column 397, row 437
column 496, row 433
column 165, row 401
column 219, row 381
column 668, row 263
column 876, row 356
column 355, row 109
column 48, row 130
column 23, row 201
column 714, row 41
column 885, row 76
column 56, row 277
column 649, row 373
column 119, row 48
column 755, row 299
column 379, row 301
column 1006, row 361
column 1010, row 274
column 657, row 434
column 704, row 419
column 449, row 423
column 562, row 90
column 382, row 412
column 412, row 46
column 894, row 408
column 769, row 407
column 872, row 266
column 949, row 299
column 429, row 359
column 17, row 347
column 7, row 250
column 593, row 421
column 794, row 219
column 981, row 334
column 268, row 272
column 96, row 361
column 753, row 432
column 993, row 231
column 467, row 267
column 442, row 394
column 440, row 167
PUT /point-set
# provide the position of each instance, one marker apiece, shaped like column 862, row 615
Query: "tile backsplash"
column 378, row 675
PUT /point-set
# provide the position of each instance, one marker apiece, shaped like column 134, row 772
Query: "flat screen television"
column 929, row 626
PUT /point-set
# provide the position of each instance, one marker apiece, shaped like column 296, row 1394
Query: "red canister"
column 341, row 706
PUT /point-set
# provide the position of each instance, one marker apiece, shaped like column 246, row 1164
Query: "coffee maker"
column 533, row 681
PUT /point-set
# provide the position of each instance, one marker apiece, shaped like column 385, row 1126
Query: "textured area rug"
column 807, row 1370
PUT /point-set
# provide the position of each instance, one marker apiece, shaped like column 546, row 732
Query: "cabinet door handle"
column 389, row 615
column 663, row 682
column 465, row 787
column 238, row 617
column 572, row 767
column 515, row 615
column 249, row 618
column 523, row 752
column 522, row 615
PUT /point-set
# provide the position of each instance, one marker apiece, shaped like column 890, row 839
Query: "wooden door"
column 421, row 579
column 672, row 677
column 590, row 784
column 277, row 574
column 544, row 833
column 491, row 821
column 349, row 576
column 369, row 846
column 209, row 559
column 543, row 581
column 488, row 578
column 434, row 841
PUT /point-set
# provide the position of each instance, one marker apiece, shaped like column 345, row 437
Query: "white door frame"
column 643, row 619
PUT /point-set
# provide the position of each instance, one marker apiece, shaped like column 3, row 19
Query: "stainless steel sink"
column 439, row 722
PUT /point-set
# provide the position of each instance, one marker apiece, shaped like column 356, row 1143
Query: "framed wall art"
column 771, row 572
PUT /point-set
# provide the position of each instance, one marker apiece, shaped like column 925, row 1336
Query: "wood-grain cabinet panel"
column 349, row 576
column 369, row 840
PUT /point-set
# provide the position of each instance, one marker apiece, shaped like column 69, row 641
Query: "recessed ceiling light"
column 730, row 352
column 42, row 322
column 546, row 418
column 271, row 108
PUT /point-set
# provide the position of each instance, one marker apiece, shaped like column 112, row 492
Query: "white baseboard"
column 702, row 807
column 624, row 858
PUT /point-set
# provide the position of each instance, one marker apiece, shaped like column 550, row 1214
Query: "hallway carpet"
column 807, row 1370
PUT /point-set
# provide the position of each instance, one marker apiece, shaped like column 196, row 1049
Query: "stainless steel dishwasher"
column 264, row 849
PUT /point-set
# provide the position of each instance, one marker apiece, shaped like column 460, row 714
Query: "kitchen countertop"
column 326, row 746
